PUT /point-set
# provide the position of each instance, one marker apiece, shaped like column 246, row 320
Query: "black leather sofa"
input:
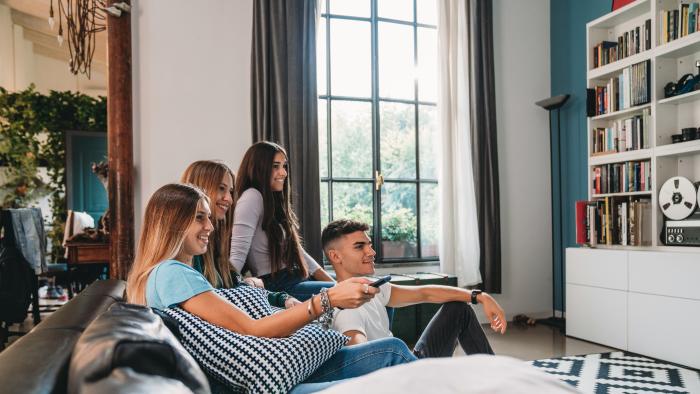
column 96, row 343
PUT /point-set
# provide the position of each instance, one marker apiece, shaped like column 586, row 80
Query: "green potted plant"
column 399, row 233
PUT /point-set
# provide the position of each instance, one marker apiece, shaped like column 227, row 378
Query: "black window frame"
column 375, row 101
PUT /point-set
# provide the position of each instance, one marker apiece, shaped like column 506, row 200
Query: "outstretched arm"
column 435, row 294
column 210, row 307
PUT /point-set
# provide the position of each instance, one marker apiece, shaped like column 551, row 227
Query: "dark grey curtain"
column 284, row 100
column 484, row 148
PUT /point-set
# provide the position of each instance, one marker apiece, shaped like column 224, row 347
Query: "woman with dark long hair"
column 265, row 229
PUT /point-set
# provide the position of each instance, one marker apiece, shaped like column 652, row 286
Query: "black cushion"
column 127, row 381
column 131, row 336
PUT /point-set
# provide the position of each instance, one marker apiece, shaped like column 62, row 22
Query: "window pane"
column 399, row 233
column 322, row 6
column 322, row 138
column 324, row 204
column 395, row 9
column 428, row 134
column 351, row 69
column 321, row 57
column 351, row 133
column 397, row 140
column 429, row 219
column 353, row 200
column 351, row 7
column 396, row 63
column 427, row 64
column 426, row 11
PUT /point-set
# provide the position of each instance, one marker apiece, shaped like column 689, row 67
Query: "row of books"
column 613, row 221
column 631, row 87
column 631, row 176
column 624, row 135
column 674, row 24
column 629, row 43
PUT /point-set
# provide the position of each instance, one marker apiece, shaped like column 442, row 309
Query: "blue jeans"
column 293, row 284
column 358, row 360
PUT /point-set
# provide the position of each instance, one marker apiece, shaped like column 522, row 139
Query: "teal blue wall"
column 568, row 20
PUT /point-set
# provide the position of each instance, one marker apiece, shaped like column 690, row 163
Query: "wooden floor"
column 537, row 342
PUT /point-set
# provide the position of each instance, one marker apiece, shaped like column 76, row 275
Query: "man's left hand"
column 493, row 312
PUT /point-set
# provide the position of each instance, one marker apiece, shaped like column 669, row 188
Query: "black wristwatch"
column 474, row 294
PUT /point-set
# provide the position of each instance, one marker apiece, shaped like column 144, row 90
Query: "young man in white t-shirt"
column 349, row 249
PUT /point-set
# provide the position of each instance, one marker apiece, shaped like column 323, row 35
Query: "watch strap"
column 474, row 294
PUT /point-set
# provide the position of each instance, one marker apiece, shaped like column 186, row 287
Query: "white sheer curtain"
column 459, row 238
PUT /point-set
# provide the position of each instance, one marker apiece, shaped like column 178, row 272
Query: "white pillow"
column 255, row 364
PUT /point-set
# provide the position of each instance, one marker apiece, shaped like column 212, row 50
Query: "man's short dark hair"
column 338, row 228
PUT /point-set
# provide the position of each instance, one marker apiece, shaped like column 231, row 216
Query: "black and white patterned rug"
column 621, row 372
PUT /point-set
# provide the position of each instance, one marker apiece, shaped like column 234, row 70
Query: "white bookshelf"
column 669, row 61
column 618, row 295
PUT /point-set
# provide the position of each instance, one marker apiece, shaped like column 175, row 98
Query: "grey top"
column 248, row 239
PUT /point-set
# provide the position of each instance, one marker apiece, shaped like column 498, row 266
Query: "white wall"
column 7, row 59
column 522, row 67
column 191, row 87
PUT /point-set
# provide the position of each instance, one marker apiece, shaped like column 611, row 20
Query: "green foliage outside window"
column 32, row 135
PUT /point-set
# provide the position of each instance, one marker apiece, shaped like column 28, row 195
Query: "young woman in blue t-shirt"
column 176, row 227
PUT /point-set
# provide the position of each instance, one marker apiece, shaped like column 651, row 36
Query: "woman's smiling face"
column 197, row 234
column 279, row 172
column 224, row 197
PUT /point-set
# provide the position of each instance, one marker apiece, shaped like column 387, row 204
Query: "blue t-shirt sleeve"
column 172, row 283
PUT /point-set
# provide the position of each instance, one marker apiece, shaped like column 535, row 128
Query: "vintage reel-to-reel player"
column 679, row 200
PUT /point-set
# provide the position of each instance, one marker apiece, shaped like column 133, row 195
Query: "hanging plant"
column 32, row 135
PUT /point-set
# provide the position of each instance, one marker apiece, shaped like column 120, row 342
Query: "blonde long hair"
column 170, row 211
column 207, row 175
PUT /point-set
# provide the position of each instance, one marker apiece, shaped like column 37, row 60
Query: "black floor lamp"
column 551, row 104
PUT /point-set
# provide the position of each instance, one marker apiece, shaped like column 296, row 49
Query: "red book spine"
column 581, row 222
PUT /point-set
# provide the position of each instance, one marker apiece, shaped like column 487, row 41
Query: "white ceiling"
column 33, row 16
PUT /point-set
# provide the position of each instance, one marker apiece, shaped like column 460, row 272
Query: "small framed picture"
column 620, row 3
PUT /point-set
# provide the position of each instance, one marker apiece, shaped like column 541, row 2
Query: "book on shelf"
column 677, row 23
column 623, row 135
column 627, row 177
column 629, row 43
column 622, row 221
column 630, row 88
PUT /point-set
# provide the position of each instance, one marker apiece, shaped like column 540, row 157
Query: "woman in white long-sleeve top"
column 265, row 229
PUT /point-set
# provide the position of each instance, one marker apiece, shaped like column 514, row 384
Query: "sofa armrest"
column 131, row 336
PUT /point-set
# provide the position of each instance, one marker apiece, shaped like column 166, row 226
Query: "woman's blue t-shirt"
column 172, row 282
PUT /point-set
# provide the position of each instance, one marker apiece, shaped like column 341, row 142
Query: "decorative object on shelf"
column 616, row 4
column 689, row 134
column 677, row 198
column 552, row 104
column 83, row 20
column 101, row 171
column 685, row 84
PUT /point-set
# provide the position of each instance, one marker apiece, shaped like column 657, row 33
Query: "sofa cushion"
column 127, row 381
column 131, row 336
column 38, row 361
column 255, row 364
